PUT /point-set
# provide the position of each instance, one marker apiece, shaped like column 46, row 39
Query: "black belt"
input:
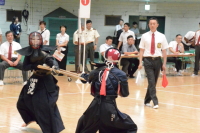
column 106, row 97
column 153, row 58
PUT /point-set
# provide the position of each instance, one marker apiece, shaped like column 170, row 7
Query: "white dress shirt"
column 62, row 38
column 104, row 47
column 124, row 35
column 45, row 35
column 118, row 27
column 4, row 49
column 190, row 36
column 160, row 44
column 75, row 37
column 91, row 35
column 173, row 45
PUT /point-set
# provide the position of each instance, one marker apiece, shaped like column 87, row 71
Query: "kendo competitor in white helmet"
column 107, row 82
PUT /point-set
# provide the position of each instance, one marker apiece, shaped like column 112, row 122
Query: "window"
column 111, row 20
column 11, row 13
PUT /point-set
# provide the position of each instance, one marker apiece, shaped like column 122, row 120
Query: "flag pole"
column 83, row 71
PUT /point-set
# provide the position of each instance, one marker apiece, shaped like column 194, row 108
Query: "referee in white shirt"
column 176, row 47
column 105, row 46
column 44, row 32
column 123, row 37
column 10, row 57
column 152, row 46
column 0, row 36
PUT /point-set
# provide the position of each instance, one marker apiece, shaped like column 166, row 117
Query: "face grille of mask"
column 35, row 40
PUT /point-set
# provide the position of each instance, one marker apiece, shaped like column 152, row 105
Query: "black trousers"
column 63, row 63
column 4, row 65
column 89, row 48
column 177, row 61
column 104, row 116
column 129, row 65
column 197, row 58
column 152, row 68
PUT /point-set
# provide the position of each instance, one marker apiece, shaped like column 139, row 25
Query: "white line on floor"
column 179, row 85
column 2, row 126
column 169, row 104
column 180, row 93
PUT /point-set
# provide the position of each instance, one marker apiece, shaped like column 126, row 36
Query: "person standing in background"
column 135, row 29
column 15, row 27
column 91, row 41
column 78, row 41
column 118, row 31
column 124, row 35
column 62, row 40
column 120, row 25
column 137, row 34
column 44, row 32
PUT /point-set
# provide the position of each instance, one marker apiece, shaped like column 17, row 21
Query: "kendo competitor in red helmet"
column 37, row 100
column 107, row 82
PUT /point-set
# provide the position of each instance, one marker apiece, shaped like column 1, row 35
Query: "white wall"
column 180, row 17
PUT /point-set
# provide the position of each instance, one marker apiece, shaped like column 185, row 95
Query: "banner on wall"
column 85, row 8
column 2, row 2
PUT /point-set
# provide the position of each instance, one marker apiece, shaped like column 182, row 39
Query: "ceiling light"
column 147, row 7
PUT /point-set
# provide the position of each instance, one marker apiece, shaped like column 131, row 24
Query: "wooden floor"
column 179, row 103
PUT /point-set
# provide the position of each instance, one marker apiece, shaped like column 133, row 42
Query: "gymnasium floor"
column 179, row 110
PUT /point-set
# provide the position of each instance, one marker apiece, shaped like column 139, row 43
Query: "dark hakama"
column 41, row 106
column 103, row 115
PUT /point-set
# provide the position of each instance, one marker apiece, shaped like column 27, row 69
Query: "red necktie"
column 153, row 44
column 177, row 48
column 10, row 52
